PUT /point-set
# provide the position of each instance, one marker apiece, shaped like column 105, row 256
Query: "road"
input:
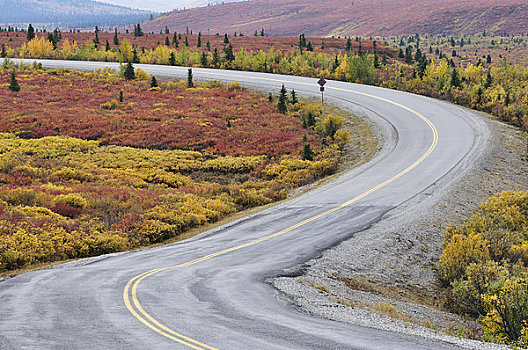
column 209, row 292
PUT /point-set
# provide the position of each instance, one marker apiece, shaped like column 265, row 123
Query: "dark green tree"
column 129, row 73
column 229, row 55
column 270, row 97
column 116, row 39
column 203, row 59
column 455, row 78
column 190, row 82
column 107, row 46
column 96, row 39
column 137, row 30
column 186, row 42
column 4, row 52
column 376, row 61
column 307, row 153
column 216, row 58
column 30, row 32
column 422, row 66
column 13, row 85
column 153, row 82
column 121, row 97
column 172, row 59
column 208, row 45
column 489, row 80
column 281, row 105
column 175, row 41
column 309, row 46
column 199, row 44
column 348, row 46
column 167, row 41
column 293, row 99
column 226, row 39
column 135, row 58
column 262, row 32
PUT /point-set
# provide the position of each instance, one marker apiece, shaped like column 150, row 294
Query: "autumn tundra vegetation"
column 128, row 161
column 93, row 163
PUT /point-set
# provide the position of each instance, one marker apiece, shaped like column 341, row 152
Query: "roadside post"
column 322, row 83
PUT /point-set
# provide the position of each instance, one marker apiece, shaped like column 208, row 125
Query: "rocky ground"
column 384, row 277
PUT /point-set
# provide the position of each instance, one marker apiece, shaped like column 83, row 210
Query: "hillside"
column 166, row 5
column 345, row 17
column 67, row 13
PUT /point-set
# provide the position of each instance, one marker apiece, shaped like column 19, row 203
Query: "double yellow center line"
column 130, row 297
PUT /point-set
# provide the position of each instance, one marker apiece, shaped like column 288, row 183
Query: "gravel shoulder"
column 384, row 276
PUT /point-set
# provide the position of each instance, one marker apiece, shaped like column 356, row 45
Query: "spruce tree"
column 229, row 55
column 293, row 97
column 208, row 45
column 489, row 80
column 186, row 41
column 121, row 97
column 30, row 32
column 4, row 52
column 309, row 46
column 116, row 39
column 281, row 105
column 307, row 153
column 376, row 60
column 96, row 39
column 172, row 59
column 129, row 71
column 153, row 82
column 226, row 39
column 203, row 59
column 348, row 44
column 167, row 41
column 135, row 58
column 13, row 85
column 190, row 82
column 199, row 44
column 216, row 58
column 175, row 42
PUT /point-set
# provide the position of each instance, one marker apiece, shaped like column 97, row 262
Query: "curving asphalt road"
column 210, row 292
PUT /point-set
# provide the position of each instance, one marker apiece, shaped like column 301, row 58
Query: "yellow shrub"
column 74, row 200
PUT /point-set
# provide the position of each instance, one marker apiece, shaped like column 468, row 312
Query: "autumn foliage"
column 484, row 267
column 82, row 174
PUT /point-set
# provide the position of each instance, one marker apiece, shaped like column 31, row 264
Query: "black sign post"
column 322, row 83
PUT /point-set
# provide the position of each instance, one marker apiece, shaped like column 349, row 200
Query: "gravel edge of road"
column 411, row 233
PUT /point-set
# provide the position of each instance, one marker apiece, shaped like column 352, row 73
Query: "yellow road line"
column 130, row 290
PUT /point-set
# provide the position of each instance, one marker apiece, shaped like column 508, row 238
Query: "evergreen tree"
column 153, row 82
column 13, row 85
column 229, row 55
column 135, row 58
column 348, row 46
column 186, row 42
column 96, row 39
column 376, row 61
column 270, row 97
column 4, row 52
column 360, row 48
column 137, row 30
column 172, row 59
column 256, row 33
column 307, row 153
column 167, row 41
column 175, row 42
column 208, row 45
column 422, row 66
column 226, row 39
column 216, row 58
column 199, row 44
column 167, row 31
column 262, row 32
column 335, row 64
column 455, row 79
column 489, row 80
column 121, row 97
column 294, row 99
column 116, row 39
column 190, row 82
column 203, row 59
column 129, row 72
column 107, row 46
column 309, row 46
column 30, row 32
column 281, row 105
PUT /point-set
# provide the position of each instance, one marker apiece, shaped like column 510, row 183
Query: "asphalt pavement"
column 210, row 292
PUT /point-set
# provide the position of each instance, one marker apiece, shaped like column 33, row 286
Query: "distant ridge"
column 347, row 17
column 67, row 13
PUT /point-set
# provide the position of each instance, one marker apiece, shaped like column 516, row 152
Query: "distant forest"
column 67, row 13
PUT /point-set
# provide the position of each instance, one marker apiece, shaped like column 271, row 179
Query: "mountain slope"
column 345, row 17
column 166, row 5
column 67, row 13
